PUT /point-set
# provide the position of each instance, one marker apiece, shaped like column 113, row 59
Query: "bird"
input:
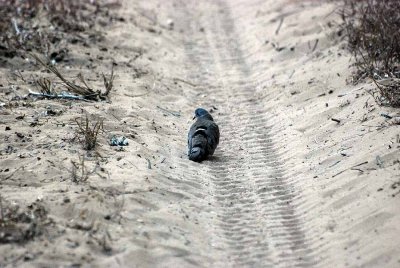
column 203, row 136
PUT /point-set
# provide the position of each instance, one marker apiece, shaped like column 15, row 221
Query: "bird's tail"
column 198, row 151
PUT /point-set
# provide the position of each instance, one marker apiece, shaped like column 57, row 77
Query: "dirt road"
column 255, row 220
column 287, row 186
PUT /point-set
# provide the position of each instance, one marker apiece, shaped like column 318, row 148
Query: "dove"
column 203, row 136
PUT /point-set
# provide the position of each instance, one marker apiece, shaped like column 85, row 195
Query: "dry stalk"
column 45, row 85
column 89, row 131
column 79, row 171
column 85, row 90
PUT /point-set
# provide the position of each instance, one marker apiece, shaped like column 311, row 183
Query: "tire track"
column 256, row 223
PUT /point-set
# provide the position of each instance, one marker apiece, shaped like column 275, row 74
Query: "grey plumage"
column 203, row 136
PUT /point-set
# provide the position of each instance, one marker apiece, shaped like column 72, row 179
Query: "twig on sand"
column 363, row 163
column 379, row 161
column 86, row 91
column 292, row 73
column 279, row 26
column 148, row 163
column 358, row 169
column 376, row 126
column 184, row 81
column 351, row 168
column 315, row 45
column 177, row 114
column 138, row 95
column 334, row 164
column 63, row 95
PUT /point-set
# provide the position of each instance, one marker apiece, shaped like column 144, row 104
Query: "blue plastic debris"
column 119, row 141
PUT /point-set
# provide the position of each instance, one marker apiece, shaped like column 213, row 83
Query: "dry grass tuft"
column 108, row 82
column 372, row 30
column 79, row 171
column 389, row 90
column 89, row 131
column 45, row 85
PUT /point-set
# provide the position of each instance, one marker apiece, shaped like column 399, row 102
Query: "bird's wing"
column 196, row 127
column 212, row 133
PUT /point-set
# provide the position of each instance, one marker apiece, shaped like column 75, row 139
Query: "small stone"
column 28, row 257
column 170, row 24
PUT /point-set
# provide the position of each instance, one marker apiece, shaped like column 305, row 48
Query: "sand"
column 287, row 186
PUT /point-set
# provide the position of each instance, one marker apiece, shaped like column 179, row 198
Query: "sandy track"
column 256, row 222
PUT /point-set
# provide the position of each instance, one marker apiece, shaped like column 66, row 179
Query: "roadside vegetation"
column 372, row 31
column 43, row 46
column 43, row 30
column 45, row 26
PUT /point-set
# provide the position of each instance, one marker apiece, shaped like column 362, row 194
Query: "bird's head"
column 202, row 113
